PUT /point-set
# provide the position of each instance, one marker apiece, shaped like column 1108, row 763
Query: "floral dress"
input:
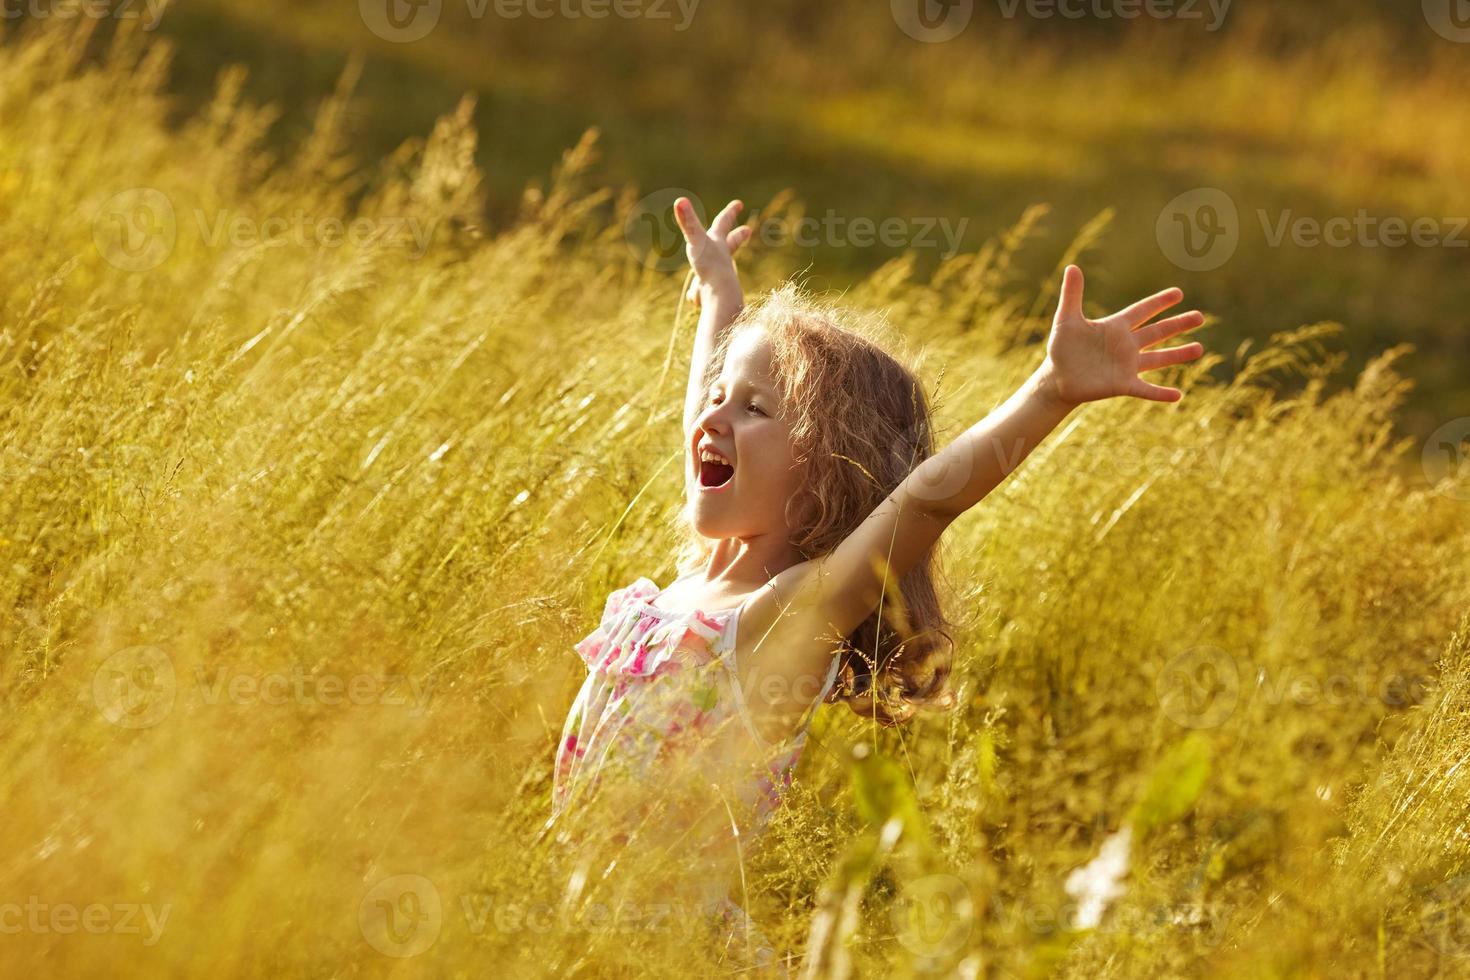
column 661, row 685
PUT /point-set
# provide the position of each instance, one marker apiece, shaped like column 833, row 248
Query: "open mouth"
column 714, row 470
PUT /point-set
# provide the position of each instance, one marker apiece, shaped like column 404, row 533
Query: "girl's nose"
column 713, row 420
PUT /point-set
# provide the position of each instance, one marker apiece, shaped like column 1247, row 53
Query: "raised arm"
column 1086, row 360
column 715, row 290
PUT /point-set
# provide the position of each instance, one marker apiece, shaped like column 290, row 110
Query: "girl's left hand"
column 1088, row 360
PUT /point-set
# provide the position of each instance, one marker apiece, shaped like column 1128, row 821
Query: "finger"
column 1169, row 355
column 739, row 237
column 1154, row 393
column 1069, row 304
column 725, row 220
column 1163, row 329
column 689, row 222
column 1146, row 309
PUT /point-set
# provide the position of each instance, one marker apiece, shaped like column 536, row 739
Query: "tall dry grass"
column 297, row 538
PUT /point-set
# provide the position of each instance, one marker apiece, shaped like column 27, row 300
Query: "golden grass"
column 296, row 541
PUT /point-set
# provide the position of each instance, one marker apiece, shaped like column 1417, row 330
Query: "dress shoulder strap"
column 728, row 655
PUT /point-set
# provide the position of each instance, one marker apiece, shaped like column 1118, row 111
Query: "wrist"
column 1044, row 387
column 724, row 288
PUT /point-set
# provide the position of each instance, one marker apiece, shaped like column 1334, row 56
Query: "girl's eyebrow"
column 760, row 386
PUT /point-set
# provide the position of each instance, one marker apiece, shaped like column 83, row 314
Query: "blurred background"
column 958, row 115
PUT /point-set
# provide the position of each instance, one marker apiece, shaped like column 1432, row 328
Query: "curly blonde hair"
column 861, row 421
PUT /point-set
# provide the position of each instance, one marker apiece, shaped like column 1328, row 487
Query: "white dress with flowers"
column 657, row 680
column 654, row 678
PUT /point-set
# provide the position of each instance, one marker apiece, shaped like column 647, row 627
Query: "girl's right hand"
column 712, row 252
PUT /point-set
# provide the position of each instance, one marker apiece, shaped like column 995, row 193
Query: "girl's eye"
column 753, row 407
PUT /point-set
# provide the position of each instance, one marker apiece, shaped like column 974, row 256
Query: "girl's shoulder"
column 641, row 590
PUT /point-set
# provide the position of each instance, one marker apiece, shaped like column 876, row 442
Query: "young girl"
column 815, row 501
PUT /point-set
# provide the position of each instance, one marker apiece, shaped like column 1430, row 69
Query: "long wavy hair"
column 860, row 420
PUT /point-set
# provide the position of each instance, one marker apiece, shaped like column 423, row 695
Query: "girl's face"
column 744, row 466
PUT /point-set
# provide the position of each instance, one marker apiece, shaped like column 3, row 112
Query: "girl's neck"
column 743, row 565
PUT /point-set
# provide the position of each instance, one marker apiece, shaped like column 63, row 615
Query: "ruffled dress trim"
column 646, row 646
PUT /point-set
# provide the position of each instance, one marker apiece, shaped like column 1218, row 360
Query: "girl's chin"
column 712, row 531
column 707, row 525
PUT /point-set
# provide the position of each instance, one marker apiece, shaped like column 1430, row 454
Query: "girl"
column 814, row 501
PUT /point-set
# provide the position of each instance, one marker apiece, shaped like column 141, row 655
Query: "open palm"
column 711, row 251
column 1096, row 359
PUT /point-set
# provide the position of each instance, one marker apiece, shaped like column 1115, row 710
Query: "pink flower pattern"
column 655, row 678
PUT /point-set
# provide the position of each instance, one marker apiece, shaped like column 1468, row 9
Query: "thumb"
column 1069, row 304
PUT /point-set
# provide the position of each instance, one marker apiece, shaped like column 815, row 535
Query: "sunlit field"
column 314, row 475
